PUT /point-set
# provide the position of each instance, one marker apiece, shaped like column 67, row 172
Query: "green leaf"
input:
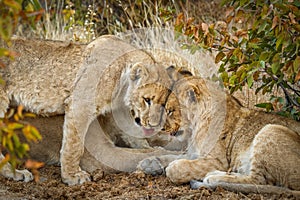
column 264, row 56
column 243, row 2
column 232, row 80
column 224, row 77
column 4, row 52
column 243, row 76
column 262, row 27
column 14, row 126
column 35, row 133
column 219, row 57
column 36, row 4
column 16, row 140
column 280, row 39
column 275, row 67
column 296, row 64
column 276, row 58
column 2, row 82
column 13, row 4
column 262, row 64
column 267, row 106
column 10, row 145
column 250, row 80
column 221, row 68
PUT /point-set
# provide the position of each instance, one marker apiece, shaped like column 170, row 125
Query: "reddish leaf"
column 219, row 57
column 229, row 11
column 19, row 111
column 275, row 22
column 31, row 164
column 297, row 78
column 204, row 27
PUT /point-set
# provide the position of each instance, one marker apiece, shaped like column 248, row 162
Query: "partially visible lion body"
column 106, row 76
column 229, row 145
column 40, row 67
column 252, row 147
column 128, row 151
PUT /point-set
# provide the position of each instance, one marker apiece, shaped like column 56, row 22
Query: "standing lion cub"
column 108, row 76
column 229, row 145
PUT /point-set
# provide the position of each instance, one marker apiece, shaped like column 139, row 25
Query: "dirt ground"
column 114, row 186
column 104, row 186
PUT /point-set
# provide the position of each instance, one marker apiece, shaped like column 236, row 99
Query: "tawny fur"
column 125, row 151
column 247, row 147
column 108, row 76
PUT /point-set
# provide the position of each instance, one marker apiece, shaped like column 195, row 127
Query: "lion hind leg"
column 245, row 188
column 237, row 182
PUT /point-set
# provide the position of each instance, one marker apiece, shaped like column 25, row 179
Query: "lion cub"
column 251, row 147
column 229, row 143
column 106, row 77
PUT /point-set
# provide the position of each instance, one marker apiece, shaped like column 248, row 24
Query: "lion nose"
column 137, row 121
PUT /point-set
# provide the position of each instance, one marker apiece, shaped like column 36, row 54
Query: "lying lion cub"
column 108, row 76
column 230, row 144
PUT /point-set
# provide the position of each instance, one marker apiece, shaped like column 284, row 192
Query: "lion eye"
column 147, row 100
column 170, row 112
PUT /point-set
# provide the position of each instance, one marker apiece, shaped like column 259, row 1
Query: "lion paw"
column 178, row 172
column 214, row 177
column 198, row 184
column 22, row 175
column 151, row 166
column 77, row 178
column 18, row 175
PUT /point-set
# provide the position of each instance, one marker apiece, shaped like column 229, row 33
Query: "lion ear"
column 193, row 94
column 185, row 73
column 138, row 71
column 177, row 73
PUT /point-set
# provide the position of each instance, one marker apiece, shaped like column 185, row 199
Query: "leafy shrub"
column 258, row 42
column 12, row 124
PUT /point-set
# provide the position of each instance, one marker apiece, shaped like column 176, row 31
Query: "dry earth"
column 114, row 186
column 104, row 186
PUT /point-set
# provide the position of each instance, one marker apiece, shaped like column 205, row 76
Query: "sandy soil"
column 104, row 186
column 114, row 186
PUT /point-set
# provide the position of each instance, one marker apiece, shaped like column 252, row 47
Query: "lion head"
column 152, row 101
column 203, row 109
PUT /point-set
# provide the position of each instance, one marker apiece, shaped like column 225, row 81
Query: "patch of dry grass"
column 85, row 20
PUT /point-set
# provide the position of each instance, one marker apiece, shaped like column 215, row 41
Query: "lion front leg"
column 183, row 170
column 73, row 149
column 215, row 177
